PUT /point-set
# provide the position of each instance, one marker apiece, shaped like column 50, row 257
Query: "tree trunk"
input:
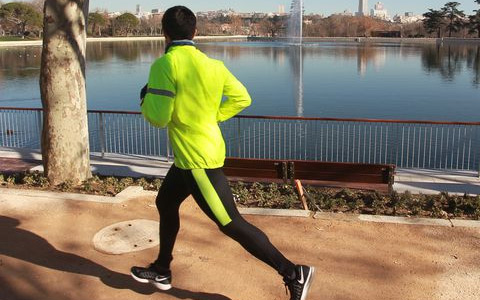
column 23, row 26
column 65, row 145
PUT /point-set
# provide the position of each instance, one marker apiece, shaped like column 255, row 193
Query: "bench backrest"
column 370, row 176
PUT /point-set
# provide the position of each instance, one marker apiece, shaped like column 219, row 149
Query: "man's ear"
column 168, row 40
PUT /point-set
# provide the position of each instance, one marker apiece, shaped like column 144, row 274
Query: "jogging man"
column 184, row 93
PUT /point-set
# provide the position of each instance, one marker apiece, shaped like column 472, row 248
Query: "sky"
column 325, row 7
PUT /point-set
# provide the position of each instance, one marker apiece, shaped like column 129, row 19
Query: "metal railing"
column 126, row 133
column 407, row 144
column 20, row 127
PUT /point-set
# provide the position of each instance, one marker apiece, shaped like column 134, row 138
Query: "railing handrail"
column 21, row 108
column 358, row 120
column 291, row 118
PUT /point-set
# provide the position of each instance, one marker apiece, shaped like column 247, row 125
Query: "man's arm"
column 157, row 106
column 237, row 98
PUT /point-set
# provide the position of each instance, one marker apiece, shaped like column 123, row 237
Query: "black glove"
column 143, row 93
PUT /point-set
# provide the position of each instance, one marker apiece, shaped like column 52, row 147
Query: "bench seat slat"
column 361, row 175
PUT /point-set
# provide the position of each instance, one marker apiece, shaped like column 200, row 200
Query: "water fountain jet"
column 295, row 37
column 295, row 22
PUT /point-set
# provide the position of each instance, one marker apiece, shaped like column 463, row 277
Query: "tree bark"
column 65, row 144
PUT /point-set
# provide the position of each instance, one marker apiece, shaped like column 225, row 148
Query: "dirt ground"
column 46, row 252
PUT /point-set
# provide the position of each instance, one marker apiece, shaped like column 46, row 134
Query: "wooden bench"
column 378, row 177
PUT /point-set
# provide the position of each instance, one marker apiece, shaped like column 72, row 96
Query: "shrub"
column 285, row 196
column 66, row 186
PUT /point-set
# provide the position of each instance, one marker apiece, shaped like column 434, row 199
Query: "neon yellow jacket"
column 185, row 90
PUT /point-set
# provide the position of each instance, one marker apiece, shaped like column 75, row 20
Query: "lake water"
column 321, row 79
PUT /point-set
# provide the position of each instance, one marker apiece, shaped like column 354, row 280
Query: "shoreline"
column 119, row 39
column 269, row 39
column 376, row 40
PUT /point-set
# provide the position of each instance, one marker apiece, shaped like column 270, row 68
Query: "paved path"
column 46, row 252
column 415, row 181
column 47, row 248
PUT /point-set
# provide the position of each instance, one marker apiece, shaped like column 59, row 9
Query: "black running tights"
column 212, row 193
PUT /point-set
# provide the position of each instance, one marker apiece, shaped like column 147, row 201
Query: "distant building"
column 226, row 12
column 379, row 12
column 362, row 8
column 408, row 18
column 114, row 14
column 379, row 6
column 140, row 14
column 281, row 9
column 345, row 13
column 386, row 33
column 156, row 15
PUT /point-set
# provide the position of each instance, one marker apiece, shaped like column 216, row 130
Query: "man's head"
column 179, row 23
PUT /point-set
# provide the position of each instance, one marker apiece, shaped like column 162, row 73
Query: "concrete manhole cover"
column 128, row 236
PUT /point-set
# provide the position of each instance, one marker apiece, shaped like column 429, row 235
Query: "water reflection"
column 473, row 62
column 296, row 64
column 450, row 60
column 446, row 60
column 367, row 55
column 233, row 51
column 20, row 62
column 124, row 51
column 317, row 79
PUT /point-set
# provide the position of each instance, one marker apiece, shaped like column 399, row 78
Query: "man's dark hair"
column 179, row 23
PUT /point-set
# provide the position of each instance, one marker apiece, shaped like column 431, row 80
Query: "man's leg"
column 213, row 194
column 171, row 194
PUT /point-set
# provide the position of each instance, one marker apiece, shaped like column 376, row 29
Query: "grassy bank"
column 16, row 39
column 283, row 196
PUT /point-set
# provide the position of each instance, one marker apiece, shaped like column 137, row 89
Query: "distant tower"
column 281, row 9
column 139, row 9
column 362, row 8
column 379, row 6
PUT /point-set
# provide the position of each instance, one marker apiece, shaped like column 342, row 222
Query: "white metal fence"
column 407, row 144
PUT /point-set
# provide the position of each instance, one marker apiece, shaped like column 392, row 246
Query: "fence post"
column 168, row 146
column 40, row 129
column 238, row 137
column 102, row 134
column 478, row 145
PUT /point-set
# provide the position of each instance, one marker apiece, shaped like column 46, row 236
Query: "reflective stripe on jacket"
column 185, row 90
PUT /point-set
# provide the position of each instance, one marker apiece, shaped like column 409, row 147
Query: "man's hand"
column 143, row 93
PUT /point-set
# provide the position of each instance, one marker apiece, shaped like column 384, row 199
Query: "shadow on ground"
column 30, row 247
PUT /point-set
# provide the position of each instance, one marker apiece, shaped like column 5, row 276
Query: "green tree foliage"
column 455, row 17
column 23, row 15
column 433, row 21
column 96, row 22
column 126, row 23
column 37, row 5
column 474, row 23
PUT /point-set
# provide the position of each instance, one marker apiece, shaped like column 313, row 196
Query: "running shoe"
column 151, row 275
column 299, row 286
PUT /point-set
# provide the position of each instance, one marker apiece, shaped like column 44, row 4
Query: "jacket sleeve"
column 157, row 106
column 237, row 97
